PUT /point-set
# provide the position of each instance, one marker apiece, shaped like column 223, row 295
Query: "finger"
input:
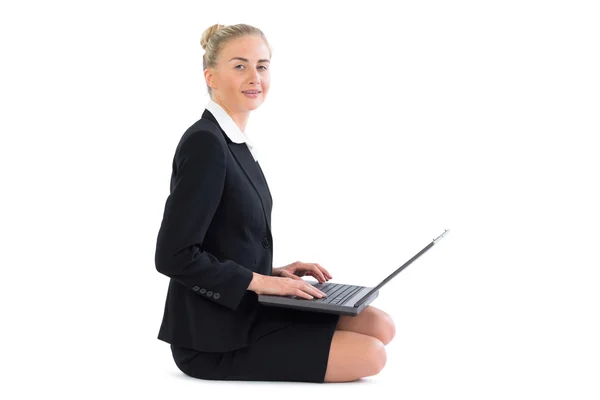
column 315, row 268
column 317, row 291
column 311, row 289
column 317, row 277
column 300, row 293
column 288, row 274
column 325, row 271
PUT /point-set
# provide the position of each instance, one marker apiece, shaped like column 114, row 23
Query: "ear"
column 209, row 77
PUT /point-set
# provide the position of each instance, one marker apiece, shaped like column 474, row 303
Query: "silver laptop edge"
column 406, row 264
column 355, row 304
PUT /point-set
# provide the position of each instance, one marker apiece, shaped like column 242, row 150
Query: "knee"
column 387, row 330
column 377, row 357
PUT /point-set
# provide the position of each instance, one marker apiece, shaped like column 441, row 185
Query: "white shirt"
column 231, row 129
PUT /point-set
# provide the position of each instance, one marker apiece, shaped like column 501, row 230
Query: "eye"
column 260, row 66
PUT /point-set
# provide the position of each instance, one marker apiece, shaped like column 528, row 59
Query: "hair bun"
column 208, row 33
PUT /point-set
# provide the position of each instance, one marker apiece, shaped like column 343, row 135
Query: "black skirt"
column 286, row 345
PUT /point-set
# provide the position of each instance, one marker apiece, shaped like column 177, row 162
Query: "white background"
column 386, row 123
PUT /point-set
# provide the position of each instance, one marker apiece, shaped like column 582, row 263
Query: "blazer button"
column 196, row 288
column 209, row 293
column 202, row 291
column 216, row 296
column 266, row 242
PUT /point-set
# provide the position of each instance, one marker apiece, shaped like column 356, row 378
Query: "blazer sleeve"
column 199, row 178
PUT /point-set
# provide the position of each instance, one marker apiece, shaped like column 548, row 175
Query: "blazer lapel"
column 265, row 181
column 250, row 167
column 252, row 171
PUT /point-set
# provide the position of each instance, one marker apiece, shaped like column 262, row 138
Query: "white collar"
column 227, row 124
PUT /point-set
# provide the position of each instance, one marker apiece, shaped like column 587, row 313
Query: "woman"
column 215, row 244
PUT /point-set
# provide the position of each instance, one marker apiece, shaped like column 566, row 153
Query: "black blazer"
column 215, row 231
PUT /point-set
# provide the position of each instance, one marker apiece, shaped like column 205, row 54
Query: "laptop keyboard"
column 336, row 293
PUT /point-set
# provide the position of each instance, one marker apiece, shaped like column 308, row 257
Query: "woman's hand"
column 297, row 269
column 275, row 285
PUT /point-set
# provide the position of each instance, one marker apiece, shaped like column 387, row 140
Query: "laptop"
column 340, row 299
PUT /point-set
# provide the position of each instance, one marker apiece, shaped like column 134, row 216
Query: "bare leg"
column 371, row 321
column 353, row 356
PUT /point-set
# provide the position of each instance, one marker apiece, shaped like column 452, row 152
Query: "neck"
column 240, row 118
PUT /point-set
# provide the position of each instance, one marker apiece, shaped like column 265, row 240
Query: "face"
column 242, row 65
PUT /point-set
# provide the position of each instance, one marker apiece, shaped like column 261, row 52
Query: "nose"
column 255, row 77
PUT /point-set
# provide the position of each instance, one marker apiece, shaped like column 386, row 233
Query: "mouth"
column 251, row 91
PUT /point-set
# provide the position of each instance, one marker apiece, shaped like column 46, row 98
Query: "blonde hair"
column 215, row 37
